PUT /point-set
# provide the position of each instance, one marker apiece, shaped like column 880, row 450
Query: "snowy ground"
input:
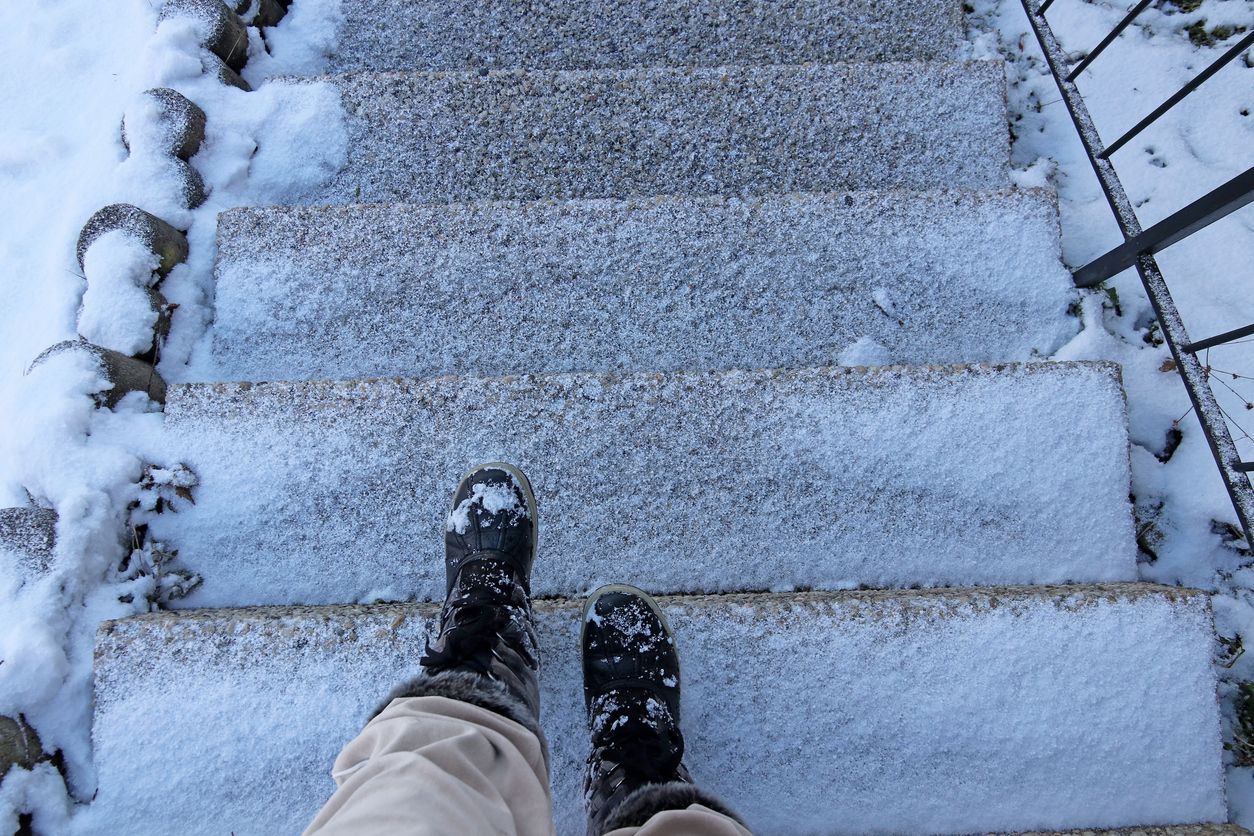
column 72, row 73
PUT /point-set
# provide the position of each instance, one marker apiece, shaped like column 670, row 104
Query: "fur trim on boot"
column 644, row 803
column 468, row 687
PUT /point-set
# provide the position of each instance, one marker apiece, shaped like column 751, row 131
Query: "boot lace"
column 634, row 735
column 473, row 627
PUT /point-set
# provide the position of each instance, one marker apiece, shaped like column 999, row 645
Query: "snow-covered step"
column 638, row 285
column 610, row 34
column 954, row 711
column 27, row 541
column 523, row 135
column 333, row 492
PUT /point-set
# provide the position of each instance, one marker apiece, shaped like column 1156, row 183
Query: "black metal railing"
column 1140, row 245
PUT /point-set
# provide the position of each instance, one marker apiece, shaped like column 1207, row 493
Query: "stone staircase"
column 662, row 256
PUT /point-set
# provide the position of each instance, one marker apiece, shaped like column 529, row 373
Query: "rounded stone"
column 261, row 12
column 182, row 123
column 195, row 193
column 227, row 35
column 229, row 77
column 19, row 744
column 125, row 374
column 168, row 243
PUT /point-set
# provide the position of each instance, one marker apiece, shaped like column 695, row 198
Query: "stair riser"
column 705, row 482
column 952, row 712
column 611, row 34
column 435, row 138
column 310, row 293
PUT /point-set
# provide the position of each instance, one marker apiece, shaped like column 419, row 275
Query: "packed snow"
column 118, row 311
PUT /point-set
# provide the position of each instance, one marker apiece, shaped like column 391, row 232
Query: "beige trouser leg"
column 440, row 767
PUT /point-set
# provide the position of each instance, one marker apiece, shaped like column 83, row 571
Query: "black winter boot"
column 631, row 690
column 486, row 651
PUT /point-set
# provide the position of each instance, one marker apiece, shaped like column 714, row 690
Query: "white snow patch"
column 118, row 311
column 1035, row 176
column 883, row 300
column 489, row 499
column 865, row 352
column 300, row 44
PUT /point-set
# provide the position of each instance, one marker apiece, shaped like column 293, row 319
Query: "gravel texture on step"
column 609, row 34
column 637, row 285
column 958, row 711
column 441, row 137
column 28, row 538
column 334, row 492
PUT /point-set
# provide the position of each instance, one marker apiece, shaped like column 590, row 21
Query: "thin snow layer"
column 612, row 34
column 118, row 311
column 330, row 492
column 964, row 711
column 439, row 137
column 27, row 539
column 637, row 285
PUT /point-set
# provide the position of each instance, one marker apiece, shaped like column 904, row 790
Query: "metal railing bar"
column 1196, row 379
column 1192, row 373
column 1109, row 39
column 1219, row 339
column 1043, row 7
column 1180, row 94
column 1245, row 467
column 1204, row 211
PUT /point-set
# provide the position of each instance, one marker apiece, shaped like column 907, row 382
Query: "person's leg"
column 636, row 782
column 459, row 750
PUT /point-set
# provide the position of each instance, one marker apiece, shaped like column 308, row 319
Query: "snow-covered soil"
column 72, row 73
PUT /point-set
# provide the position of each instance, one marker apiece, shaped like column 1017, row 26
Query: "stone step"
column 28, row 539
column 955, row 711
column 616, row 34
column 523, row 135
column 334, row 492
column 637, row 285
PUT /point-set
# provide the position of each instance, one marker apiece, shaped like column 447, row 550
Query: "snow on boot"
column 631, row 690
column 486, row 650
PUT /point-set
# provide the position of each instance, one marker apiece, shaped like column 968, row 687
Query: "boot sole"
column 528, row 496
